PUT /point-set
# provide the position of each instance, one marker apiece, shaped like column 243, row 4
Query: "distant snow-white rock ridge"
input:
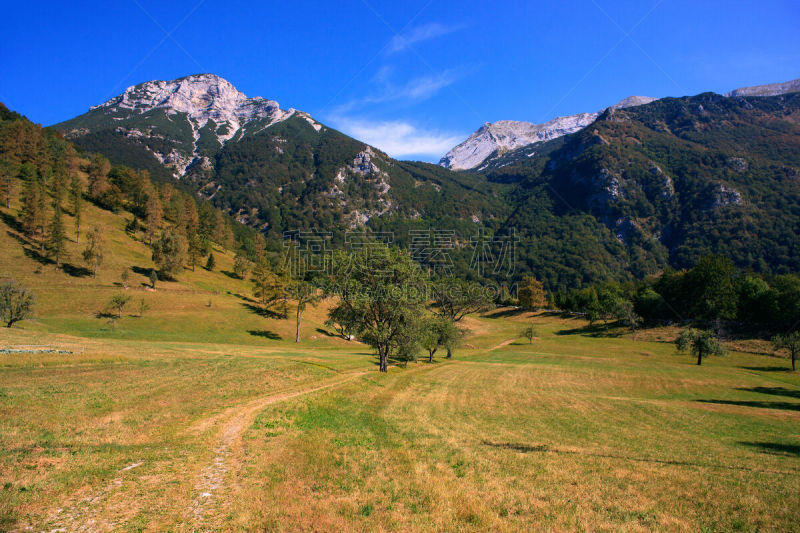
column 770, row 89
column 505, row 135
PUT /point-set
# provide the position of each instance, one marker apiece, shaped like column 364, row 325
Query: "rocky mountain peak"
column 200, row 96
column 212, row 108
column 495, row 138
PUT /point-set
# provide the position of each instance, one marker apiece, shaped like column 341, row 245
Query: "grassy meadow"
column 202, row 414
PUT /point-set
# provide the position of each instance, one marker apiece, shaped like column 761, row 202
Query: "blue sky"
column 412, row 77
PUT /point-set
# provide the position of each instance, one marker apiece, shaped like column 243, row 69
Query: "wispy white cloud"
column 419, row 34
column 412, row 91
column 398, row 138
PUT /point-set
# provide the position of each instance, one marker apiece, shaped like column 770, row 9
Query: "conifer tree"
column 76, row 204
column 57, row 237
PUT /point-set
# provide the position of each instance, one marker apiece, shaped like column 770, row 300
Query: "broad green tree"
column 169, row 252
column 16, row 303
column 439, row 332
column 384, row 293
column 701, row 343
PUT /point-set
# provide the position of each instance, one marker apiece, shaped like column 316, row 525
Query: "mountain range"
column 493, row 139
column 640, row 186
column 485, row 148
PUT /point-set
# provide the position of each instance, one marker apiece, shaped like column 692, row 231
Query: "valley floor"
column 580, row 430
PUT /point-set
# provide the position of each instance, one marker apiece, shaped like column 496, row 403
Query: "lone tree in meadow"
column 701, row 343
column 211, row 262
column 383, row 292
column 304, row 293
column 16, row 303
column 95, row 249
column 529, row 333
column 153, row 278
column 118, row 303
column 791, row 343
column 169, row 253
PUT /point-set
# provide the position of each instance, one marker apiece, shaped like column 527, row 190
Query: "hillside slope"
column 276, row 170
column 674, row 180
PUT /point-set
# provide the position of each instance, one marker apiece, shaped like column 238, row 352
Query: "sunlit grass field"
column 203, row 414
column 574, row 431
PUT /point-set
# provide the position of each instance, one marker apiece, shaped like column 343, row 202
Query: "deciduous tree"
column 531, row 294
column 118, row 303
column 700, row 342
column 384, row 292
column 94, row 252
column 791, row 343
column 529, row 333
column 16, row 303
column 169, row 252
column 304, row 293
column 454, row 298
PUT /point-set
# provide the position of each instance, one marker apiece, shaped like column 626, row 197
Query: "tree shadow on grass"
column 775, row 448
column 544, row 448
column 13, row 223
column 767, row 368
column 263, row 312
column 505, row 313
column 265, row 334
column 328, row 333
column 75, row 271
column 775, row 391
column 230, row 274
column 146, row 272
column 38, row 257
column 594, row 330
column 19, row 237
column 781, row 406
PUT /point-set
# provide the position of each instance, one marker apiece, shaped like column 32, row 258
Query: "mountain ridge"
column 496, row 138
column 485, row 148
column 214, row 111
